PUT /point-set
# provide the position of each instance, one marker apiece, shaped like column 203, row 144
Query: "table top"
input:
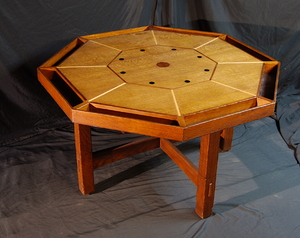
column 166, row 75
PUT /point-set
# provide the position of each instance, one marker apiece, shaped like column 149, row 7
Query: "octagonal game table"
column 167, row 84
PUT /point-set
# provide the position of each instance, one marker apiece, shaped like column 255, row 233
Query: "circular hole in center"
column 123, row 72
column 121, row 58
column 151, row 82
column 206, row 70
column 142, row 50
column 187, row 81
column 199, row 56
column 163, row 64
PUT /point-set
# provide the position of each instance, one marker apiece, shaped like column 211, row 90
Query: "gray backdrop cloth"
column 145, row 195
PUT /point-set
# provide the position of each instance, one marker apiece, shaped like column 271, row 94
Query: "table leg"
column 207, row 173
column 226, row 139
column 85, row 171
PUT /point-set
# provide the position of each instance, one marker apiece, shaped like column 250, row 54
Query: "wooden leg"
column 207, row 172
column 83, row 143
column 183, row 162
column 226, row 139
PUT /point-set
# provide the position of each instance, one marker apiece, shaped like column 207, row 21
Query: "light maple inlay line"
column 90, row 100
column 176, row 105
column 82, row 66
column 154, row 37
column 234, row 88
column 196, row 48
column 241, row 62
column 106, row 45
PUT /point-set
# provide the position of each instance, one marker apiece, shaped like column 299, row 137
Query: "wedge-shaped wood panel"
column 140, row 97
column 181, row 40
column 91, row 82
column 222, row 51
column 243, row 77
column 128, row 41
column 205, row 96
column 89, row 55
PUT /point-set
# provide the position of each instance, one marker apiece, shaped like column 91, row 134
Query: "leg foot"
column 209, row 152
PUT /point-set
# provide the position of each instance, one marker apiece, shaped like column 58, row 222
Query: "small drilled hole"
column 123, row 72
column 151, row 82
column 121, row 58
column 174, row 49
column 142, row 50
column 206, row 70
column 187, row 81
column 199, row 56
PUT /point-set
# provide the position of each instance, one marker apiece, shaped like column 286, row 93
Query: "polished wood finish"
column 84, row 158
column 207, row 174
column 165, row 83
column 111, row 155
column 226, row 139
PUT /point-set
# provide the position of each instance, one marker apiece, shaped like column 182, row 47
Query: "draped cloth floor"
column 147, row 195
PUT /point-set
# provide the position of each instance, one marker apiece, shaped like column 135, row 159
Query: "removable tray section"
column 185, row 120
column 63, row 87
column 220, row 111
column 246, row 48
column 134, row 114
column 268, row 86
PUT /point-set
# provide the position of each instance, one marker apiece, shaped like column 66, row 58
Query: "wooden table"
column 168, row 84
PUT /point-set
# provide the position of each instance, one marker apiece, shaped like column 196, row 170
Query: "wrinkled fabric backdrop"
column 32, row 31
column 258, row 180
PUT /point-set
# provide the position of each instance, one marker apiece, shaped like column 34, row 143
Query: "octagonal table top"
column 179, row 75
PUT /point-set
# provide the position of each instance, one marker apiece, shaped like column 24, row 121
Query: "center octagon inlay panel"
column 163, row 66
